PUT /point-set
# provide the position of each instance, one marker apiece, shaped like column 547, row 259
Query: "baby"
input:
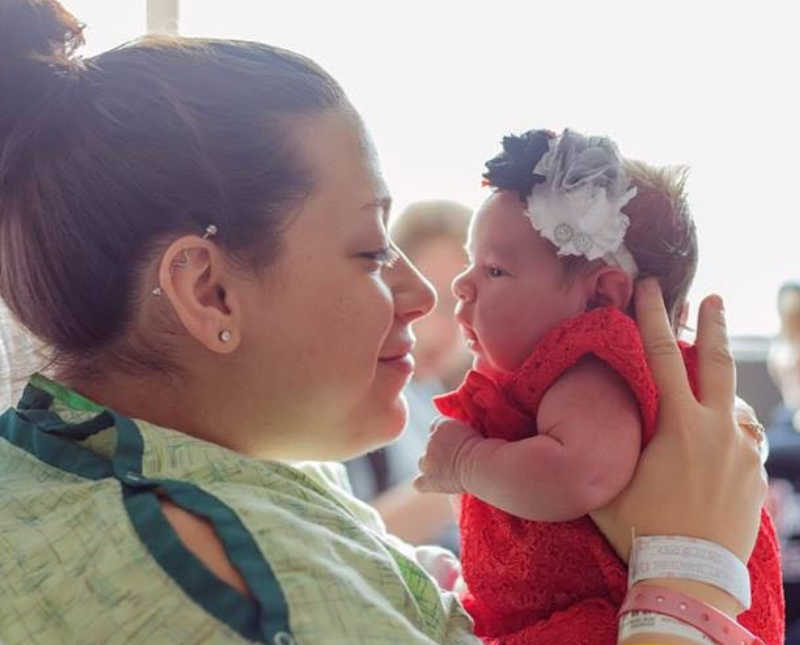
column 560, row 396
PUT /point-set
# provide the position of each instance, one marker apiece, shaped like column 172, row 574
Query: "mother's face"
column 327, row 328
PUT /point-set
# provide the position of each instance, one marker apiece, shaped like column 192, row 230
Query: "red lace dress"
column 561, row 582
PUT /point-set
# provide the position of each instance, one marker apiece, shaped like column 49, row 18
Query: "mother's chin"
column 371, row 431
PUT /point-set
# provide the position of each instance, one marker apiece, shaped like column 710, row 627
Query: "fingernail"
column 716, row 302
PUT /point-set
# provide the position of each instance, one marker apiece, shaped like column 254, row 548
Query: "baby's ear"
column 609, row 287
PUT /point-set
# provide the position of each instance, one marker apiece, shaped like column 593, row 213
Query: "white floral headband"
column 578, row 206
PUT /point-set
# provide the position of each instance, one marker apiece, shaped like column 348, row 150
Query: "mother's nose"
column 414, row 295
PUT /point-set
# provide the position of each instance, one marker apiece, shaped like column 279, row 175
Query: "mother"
column 197, row 229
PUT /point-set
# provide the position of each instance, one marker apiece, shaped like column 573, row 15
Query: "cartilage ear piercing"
column 182, row 261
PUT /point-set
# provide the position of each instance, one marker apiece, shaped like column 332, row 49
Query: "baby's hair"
column 661, row 235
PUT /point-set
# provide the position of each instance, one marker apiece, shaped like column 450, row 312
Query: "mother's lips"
column 402, row 362
column 397, row 353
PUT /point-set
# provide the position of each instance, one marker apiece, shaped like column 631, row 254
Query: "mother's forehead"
column 336, row 148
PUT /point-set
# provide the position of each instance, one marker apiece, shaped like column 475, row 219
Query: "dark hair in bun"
column 105, row 160
column 38, row 30
column 37, row 41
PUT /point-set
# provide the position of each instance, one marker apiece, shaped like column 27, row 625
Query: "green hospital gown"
column 87, row 556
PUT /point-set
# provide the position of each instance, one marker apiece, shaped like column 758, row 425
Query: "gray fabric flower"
column 578, row 206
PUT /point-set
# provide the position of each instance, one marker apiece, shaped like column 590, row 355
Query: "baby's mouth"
column 471, row 338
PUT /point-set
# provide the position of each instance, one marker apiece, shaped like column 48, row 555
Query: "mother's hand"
column 701, row 475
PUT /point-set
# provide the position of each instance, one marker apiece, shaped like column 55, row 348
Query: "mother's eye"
column 383, row 258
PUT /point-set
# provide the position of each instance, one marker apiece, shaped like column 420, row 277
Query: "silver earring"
column 210, row 231
column 225, row 335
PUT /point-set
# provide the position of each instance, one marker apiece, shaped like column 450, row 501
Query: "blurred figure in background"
column 783, row 463
column 433, row 234
column 783, row 361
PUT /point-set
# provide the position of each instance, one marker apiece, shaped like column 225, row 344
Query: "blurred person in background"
column 783, row 361
column 432, row 233
column 783, row 463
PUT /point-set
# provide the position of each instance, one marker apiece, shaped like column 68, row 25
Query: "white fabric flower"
column 579, row 205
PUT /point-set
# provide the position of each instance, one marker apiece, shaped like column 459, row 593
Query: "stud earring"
column 225, row 335
column 157, row 292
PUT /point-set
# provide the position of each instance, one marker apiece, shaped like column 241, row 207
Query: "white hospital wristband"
column 637, row 623
column 674, row 556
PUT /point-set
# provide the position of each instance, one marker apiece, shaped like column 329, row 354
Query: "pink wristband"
column 712, row 622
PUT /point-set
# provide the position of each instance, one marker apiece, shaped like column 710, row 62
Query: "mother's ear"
column 609, row 287
column 194, row 277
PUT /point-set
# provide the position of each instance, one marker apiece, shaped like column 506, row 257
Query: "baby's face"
column 514, row 289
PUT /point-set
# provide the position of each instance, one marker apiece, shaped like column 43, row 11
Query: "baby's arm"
column 585, row 453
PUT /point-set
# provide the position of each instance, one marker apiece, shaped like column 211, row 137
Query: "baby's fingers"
column 439, row 466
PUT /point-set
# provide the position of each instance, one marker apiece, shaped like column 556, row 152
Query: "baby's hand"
column 440, row 466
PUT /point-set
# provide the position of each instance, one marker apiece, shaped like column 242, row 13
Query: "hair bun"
column 37, row 31
column 37, row 41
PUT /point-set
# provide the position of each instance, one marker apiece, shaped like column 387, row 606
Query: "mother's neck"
column 203, row 402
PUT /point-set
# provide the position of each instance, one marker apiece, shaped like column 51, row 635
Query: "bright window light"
column 108, row 24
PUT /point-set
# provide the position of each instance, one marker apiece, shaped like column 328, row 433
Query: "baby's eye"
column 495, row 271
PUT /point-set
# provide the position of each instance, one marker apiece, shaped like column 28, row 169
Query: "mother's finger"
column 716, row 371
column 663, row 354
